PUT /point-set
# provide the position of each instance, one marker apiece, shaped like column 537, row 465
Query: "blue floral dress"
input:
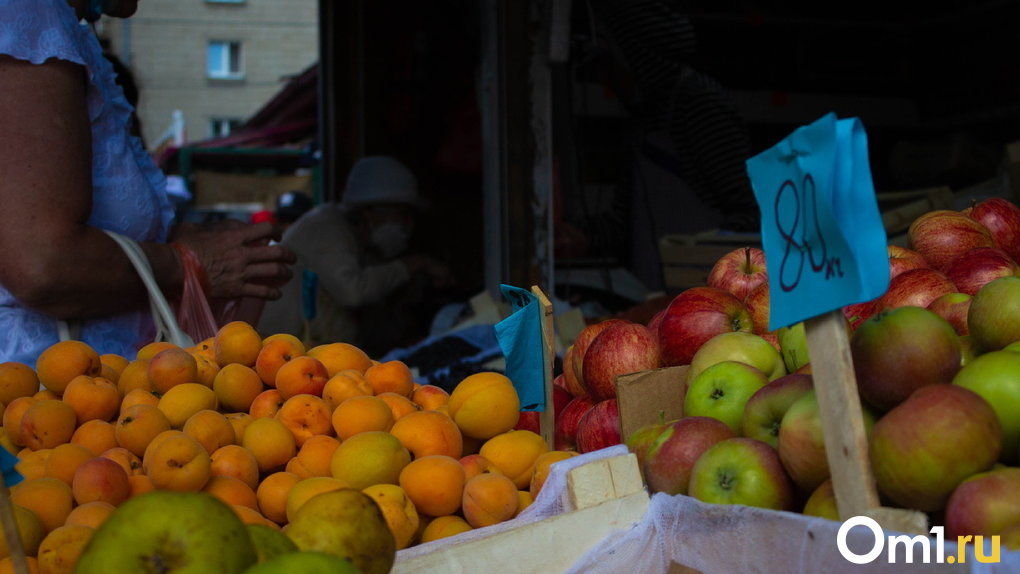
column 129, row 191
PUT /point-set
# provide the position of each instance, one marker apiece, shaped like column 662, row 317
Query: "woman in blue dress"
column 69, row 169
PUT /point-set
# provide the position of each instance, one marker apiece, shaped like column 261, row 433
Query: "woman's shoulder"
column 39, row 30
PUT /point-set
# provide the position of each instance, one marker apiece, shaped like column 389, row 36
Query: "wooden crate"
column 687, row 259
column 607, row 495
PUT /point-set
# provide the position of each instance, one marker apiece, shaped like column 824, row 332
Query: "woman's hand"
column 237, row 258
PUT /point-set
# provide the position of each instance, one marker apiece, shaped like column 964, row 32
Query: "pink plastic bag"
column 194, row 314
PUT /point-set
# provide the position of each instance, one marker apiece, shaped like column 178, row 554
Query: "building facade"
column 213, row 62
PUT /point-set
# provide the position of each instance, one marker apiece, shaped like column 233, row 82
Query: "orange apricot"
column 344, row 385
column 484, row 405
column 134, row 376
column 47, row 423
column 489, row 499
column 100, row 479
column 266, row 404
column 302, row 375
column 65, row 459
column 236, row 387
column 429, row 432
column 232, row 491
column 314, row 456
column 434, row 483
column 91, row 514
column 175, row 461
column 17, row 380
column 276, row 350
column 92, row 398
column 360, row 414
column 95, row 435
column 236, row 461
column 237, row 342
column 138, row 425
column 391, row 377
column 171, row 367
column 514, row 453
column 129, row 461
column 65, row 360
column 271, row 442
column 13, row 413
column 272, row 495
column 399, row 404
column 305, row 416
column 340, row 357
column 49, row 498
column 210, row 428
column 430, row 397
column 368, row 458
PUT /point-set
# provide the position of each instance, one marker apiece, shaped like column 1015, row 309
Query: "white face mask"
column 390, row 239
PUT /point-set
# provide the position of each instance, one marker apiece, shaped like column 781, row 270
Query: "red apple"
column 565, row 437
column 640, row 441
column 696, row 315
column 897, row 351
column 903, row 259
column 653, row 323
column 739, row 271
column 757, row 303
column 943, row 235
column 953, row 307
column 670, row 458
column 764, row 411
column 599, row 427
column 985, row 504
column 917, row 287
column 571, row 381
column 561, row 396
column 926, row 446
column 584, row 338
column 976, row 267
column 619, row 349
column 529, row 420
column 994, row 315
column 1002, row 219
column 858, row 313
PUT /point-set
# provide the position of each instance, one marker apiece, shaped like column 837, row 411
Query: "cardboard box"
column 649, row 397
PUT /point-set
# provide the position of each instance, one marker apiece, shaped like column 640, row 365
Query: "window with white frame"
column 220, row 127
column 224, row 60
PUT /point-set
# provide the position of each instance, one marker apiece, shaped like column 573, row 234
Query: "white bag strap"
column 167, row 328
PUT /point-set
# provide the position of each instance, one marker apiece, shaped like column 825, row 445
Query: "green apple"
column 722, row 390
column 996, row 377
column 793, row 342
column 741, row 470
column 764, row 411
column 306, row 562
column 822, row 502
column 346, row 523
column 738, row 346
column 170, row 532
column 269, row 542
column 994, row 314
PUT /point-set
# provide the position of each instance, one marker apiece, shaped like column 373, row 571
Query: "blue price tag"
column 8, row 463
column 520, row 338
column 824, row 242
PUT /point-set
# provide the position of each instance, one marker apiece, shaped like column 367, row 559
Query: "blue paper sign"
column 520, row 337
column 822, row 232
column 7, row 465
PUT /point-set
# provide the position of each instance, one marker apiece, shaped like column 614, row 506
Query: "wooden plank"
column 846, row 442
column 647, row 397
column 603, row 480
column 546, row 422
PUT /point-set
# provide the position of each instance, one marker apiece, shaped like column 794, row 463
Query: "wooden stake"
column 10, row 530
column 546, row 422
column 846, row 442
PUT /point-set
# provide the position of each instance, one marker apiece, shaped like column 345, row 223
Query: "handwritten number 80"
column 798, row 247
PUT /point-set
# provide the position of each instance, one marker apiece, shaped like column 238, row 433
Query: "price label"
column 824, row 242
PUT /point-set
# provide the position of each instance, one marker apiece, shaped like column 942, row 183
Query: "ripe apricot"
column 360, row 414
column 47, row 423
column 443, row 527
column 32, row 463
column 150, row 350
column 272, row 495
column 100, row 479
column 484, row 405
column 140, row 484
column 434, row 483
column 542, row 465
column 344, row 385
column 17, row 380
column 175, row 461
column 306, row 488
column 210, row 428
column 305, row 416
column 13, row 413
column 236, row 461
column 391, row 377
column 430, row 397
column 237, row 342
column 253, row 516
column 371, row 457
column 341, row 356
column 271, row 442
column 129, row 461
column 49, row 498
column 231, row 491
column 301, row 375
column 171, row 367
column 489, row 499
column 313, row 457
column 514, row 453
column 524, row 500
column 399, row 511
column 399, row 404
column 240, row 422
column 95, row 435
column 475, row 464
column 7, row 565
column 206, row 369
column 91, row 514
column 138, row 425
column 236, row 386
column 65, row 459
column 183, row 400
column 60, row 550
column 429, row 432
column 276, row 350
column 138, row 396
column 266, row 404
column 134, row 376
column 204, row 348
column 65, row 360
column 92, row 398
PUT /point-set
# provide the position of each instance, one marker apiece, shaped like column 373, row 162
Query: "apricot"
column 430, row 397
column 542, row 465
column 236, row 387
column 150, row 350
column 443, row 527
column 134, row 376
column 47, row 423
column 210, row 428
column 302, row 375
column 204, row 348
column 30, row 529
column 138, row 425
column 100, row 479
column 232, row 491
column 266, row 404
column 305, row 416
column 92, row 398
column 91, row 514
column 237, row 342
column 314, row 456
column 272, row 495
column 360, row 414
column 31, row 563
column 60, row 550
column 49, row 498
column 398, row 510
column 129, row 461
column 524, row 500
column 17, row 380
column 484, row 405
column 13, row 413
column 391, row 377
column 306, row 488
column 239, row 421
column 171, row 367
column 475, row 464
column 400, row 405
column 276, row 350
column 435, row 484
column 65, row 360
column 514, row 453
column 236, row 461
column 429, row 432
column 341, row 357
column 271, row 442
column 184, row 400
column 95, row 435
column 140, row 484
column 489, row 499
column 175, row 461
column 344, row 385
column 371, row 457
column 32, row 463
column 253, row 516
column 63, row 460
column 206, row 369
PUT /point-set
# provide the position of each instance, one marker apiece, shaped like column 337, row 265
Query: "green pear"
column 171, row 533
column 270, row 542
column 346, row 523
column 305, row 562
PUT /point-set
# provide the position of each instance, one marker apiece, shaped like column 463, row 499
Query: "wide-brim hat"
column 381, row 180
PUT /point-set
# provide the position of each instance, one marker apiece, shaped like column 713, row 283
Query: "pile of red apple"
column 937, row 361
